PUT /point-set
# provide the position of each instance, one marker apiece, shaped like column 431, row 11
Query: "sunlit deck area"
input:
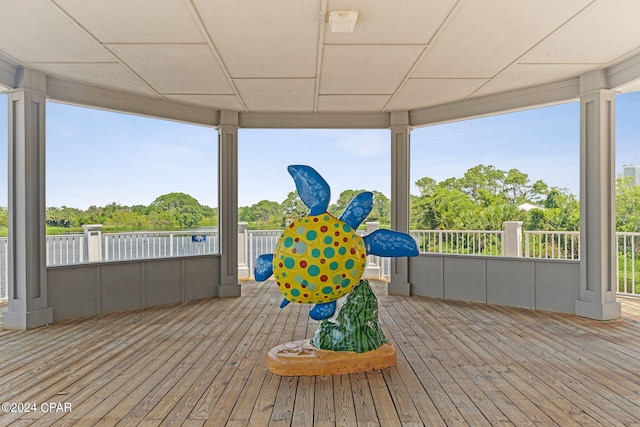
column 202, row 363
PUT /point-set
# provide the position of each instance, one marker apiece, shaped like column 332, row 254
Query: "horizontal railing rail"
column 73, row 249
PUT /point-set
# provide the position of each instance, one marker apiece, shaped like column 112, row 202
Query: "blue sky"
column 96, row 157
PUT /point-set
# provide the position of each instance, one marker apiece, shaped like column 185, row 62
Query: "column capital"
column 400, row 118
column 229, row 118
column 26, row 78
column 594, row 81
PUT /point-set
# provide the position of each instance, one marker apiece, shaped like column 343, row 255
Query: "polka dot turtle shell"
column 318, row 259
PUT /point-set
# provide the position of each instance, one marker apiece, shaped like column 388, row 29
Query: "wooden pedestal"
column 300, row 358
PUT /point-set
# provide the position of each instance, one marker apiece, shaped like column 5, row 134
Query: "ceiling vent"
column 343, row 21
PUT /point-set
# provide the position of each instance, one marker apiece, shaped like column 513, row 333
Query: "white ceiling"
column 277, row 56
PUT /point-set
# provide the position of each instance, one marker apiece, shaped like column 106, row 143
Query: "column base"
column 598, row 310
column 227, row 291
column 27, row 320
column 372, row 273
column 402, row 289
column 243, row 272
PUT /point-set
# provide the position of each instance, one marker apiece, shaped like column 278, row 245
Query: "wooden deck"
column 202, row 363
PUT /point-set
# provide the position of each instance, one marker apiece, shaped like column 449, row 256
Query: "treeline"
column 267, row 214
column 482, row 199
column 169, row 211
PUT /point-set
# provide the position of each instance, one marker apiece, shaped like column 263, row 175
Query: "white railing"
column 65, row 249
column 460, row 242
column 260, row 242
column 72, row 249
column 126, row 246
column 628, row 263
column 552, row 244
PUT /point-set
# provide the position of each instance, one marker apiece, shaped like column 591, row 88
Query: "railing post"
column 512, row 245
column 93, row 238
column 372, row 269
column 243, row 267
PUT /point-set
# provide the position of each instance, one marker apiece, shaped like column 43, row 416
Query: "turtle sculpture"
column 320, row 258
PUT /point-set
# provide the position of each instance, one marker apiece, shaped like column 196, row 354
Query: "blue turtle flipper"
column 264, row 267
column 323, row 311
column 358, row 209
column 312, row 188
column 284, row 303
column 390, row 243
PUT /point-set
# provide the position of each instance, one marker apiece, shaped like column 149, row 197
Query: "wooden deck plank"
column 286, row 397
column 544, row 368
column 250, row 394
column 202, row 363
column 324, row 406
column 206, row 389
column 487, row 372
column 148, row 394
column 166, row 395
column 464, row 354
column 440, row 407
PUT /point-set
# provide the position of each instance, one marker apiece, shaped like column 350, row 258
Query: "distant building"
column 632, row 171
column 529, row 207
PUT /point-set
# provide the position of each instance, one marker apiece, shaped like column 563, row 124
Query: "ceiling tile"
column 177, row 69
column 486, row 36
column 145, row 21
column 106, row 75
column 533, row 74
column 277, row 94
column 277, row 38
column 357, row 69
column 391, row 21
column 44, row 34
column 418, row 93
column 612, row 31
column 352, row 103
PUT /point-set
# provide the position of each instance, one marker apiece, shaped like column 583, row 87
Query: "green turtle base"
column 300, row 358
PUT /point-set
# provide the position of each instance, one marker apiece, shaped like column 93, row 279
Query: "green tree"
column 516, row 186
column 4, row 217
column 445, row 209
column 485, row 197
column 483, row 183
column 381, row 211
column 127, row 220
column 627, row 205
column 185, row 209
column 293, row 207
column 63, row 217
column 264, row 214
column 344, row 198
column 210, row 216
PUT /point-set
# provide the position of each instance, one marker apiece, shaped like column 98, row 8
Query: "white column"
column 597, row 200
column 27, row 294
column 228, row 203
column 400, row 185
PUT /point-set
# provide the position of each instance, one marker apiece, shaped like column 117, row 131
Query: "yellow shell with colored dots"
column 318, row 259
